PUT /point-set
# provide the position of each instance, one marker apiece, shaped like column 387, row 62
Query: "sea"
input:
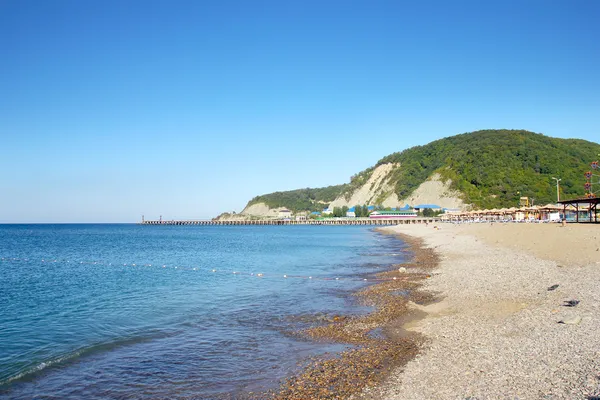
column 117, row 311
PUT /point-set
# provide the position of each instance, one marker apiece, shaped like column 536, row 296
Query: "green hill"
column 490, row 168
column 301, row 199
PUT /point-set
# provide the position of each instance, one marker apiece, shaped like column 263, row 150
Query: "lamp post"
column 557, row 189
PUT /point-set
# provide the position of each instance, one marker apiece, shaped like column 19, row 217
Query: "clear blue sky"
column 114, row 109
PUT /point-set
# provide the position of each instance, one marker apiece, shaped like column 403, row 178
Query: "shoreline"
column 502, row 328
column 380, row 342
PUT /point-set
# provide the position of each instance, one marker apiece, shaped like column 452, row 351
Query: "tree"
column 428, row 212
column 358, row 211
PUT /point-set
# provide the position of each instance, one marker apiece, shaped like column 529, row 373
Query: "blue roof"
column 427, row 206
column 315, row 212
column 406, row 207
column 351, row 209
column 371, row 208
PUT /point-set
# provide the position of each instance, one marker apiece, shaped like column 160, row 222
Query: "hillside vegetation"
column 490, row 169
column 301, row 199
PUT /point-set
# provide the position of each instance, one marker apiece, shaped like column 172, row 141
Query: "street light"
column 557, row 189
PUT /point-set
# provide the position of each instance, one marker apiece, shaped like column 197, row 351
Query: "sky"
column 110, row 110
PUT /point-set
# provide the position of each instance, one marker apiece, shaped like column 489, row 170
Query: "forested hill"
column 490, row 168
column 301, row 199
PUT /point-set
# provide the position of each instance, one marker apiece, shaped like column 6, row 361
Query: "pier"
column 353, row 221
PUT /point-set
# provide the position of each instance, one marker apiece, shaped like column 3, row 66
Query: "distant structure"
column 589, row 180
column 524, row 202
column 284, row 213
column 421, row 207
column 394, row 214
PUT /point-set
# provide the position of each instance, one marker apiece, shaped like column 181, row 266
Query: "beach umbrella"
column 551, row 207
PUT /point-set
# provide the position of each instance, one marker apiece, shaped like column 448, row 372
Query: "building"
column 433, row 207
column 451, row 210
column 351, row 213
column 284, row 213
column 398, row 214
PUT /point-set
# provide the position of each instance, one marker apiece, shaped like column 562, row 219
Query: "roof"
column 351, row 209
column 406, row 207
column 428, row 206
column 371, row 208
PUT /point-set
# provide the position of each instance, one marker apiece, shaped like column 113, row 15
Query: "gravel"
column 496, row 333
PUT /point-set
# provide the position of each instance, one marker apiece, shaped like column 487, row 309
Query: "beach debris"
column 571, row 320
column 553, row 287
column 402, row 269
column 570, row 303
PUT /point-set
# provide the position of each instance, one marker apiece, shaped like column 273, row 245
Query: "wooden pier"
column 353, row 221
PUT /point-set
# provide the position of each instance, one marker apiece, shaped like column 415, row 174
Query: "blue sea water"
column 131, row 311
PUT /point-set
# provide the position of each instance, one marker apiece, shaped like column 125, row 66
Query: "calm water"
column 79, row 320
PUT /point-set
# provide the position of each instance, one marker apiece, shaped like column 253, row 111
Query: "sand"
column 499, row 332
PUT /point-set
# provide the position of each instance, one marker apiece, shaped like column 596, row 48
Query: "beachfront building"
column 398, row 214
column 422, row 207
column 351, row 213
column 327, row 211
column 451, row 210
column 284, row 213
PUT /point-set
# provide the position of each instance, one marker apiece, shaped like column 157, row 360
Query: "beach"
column 517, row 314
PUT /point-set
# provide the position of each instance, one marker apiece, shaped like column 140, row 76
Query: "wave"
column 30, row 371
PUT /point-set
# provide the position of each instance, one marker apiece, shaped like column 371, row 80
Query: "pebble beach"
column 517, row 316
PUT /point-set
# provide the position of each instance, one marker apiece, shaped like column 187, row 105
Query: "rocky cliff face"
column 379, row 190
column 376, row 190
column 260, row 210
column 435, row 191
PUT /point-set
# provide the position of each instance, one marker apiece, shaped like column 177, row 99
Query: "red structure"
column 588, row 204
